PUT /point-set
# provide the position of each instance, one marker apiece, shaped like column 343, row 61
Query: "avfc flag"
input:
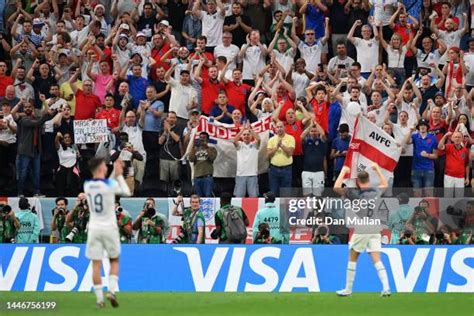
column 369, row 145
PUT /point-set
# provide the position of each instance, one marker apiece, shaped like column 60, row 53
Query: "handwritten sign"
column 90, row 131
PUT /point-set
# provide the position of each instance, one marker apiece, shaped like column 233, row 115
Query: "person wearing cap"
column 99, row 15
column 183, row 95
column 456, row 175
column 212, row 21
column 424, row 153
column 122, row 48
column 270, row 216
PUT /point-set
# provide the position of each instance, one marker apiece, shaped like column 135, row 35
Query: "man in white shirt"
column 212, row 21
column 228, row 50
column 183, row 96
column 253, row 56
column 246, row 180
column 469, row 62
column 341, row 60
column 451, row 37
column 310, row 48
column 367, row 47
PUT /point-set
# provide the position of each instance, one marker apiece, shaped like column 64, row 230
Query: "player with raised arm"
column 103, row 234
column 363, row 239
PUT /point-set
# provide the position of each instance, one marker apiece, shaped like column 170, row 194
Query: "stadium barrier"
column 250, row 268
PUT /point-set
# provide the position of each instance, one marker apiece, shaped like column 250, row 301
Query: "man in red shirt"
column 235, row 89
column 200, row 53
column 285, row 94
column 5, row 80
column 456, row 174
column 439, row 127
column 446, row 14
column 209, row 87
column 86, row 101
column 109, row 113
column 160, row 47
column 316, row 95
column 404, row 29
column 294, row 128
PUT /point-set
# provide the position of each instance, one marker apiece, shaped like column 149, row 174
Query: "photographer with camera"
column 231, row 222
column 124, row 222
column 407, row 238
column 422, row 224
column 322, row 237
column 29, row 230
column 194, row 223
column 9, row 224
column 59, row 229
column 150, row 225
column 269, row 215
column 77, row 221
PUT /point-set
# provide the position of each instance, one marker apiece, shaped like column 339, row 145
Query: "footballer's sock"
column 98, row 293
column 113, row 283
column 382, row 275
column 350, row 275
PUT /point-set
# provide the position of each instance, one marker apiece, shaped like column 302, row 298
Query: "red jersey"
column 86, row 105
column 5, row 81
column 112, row 116
column 156, row 54
column 442, row 27
column 237, row 95
column 438, row 131
column 209, row 92
column 456, row 161
column 288, row 105
column 205, row 70
column 296, row 130
column 321, row 113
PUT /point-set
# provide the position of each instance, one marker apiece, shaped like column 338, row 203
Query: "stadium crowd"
column 151, row 69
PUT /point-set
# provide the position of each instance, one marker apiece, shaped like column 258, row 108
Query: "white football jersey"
column 101, row 200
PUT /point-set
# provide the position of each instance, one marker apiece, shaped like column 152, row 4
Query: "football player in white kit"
column 103, row 232
column 363, row 238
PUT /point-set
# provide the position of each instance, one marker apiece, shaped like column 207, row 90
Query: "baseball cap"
column 37, row 22
column 164, row 22
column 99, row 6
column 141, row 34
column 192, row 111
column 125, row 26
column 123, row 36
column 439, row 94
column 470, row 39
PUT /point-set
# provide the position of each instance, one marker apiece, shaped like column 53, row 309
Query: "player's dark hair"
column 357, row 64
column 94, row 163
column 344, row 128
column 61, row 198
column 202, row 38
column 204, row 133
column 226, row 198
column 363, row 177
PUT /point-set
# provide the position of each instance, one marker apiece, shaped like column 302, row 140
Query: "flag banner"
column 221, row 136
column 369, row 145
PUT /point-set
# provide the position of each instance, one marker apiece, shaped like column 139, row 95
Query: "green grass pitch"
column 288, row 304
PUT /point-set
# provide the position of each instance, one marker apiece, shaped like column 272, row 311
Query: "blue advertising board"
column 246, row 268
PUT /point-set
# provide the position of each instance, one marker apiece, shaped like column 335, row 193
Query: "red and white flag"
column 369, row 145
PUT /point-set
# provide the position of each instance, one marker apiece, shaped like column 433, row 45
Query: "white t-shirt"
column 286, row 58
column 247, row 159
column 48, row 125
column 135, row 138
column 212, row 27
column 181, row 97
column 424, row 60
column 79, row 36
column 68, row 157
column 380, row 114
column 253, row 61
column 336, row 61
column 396, row 57
column 412, row 117
column 348, row 118
column 311, row 54
column 383, row 10
column 400, row 133
column 469, row 62
column 6, row 135
column 231, row 52
column 367, row 53
column 300, row 83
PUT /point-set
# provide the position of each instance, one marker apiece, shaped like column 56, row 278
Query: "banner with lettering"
column 369, row 145
column 221, row 136
column 90, row 131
